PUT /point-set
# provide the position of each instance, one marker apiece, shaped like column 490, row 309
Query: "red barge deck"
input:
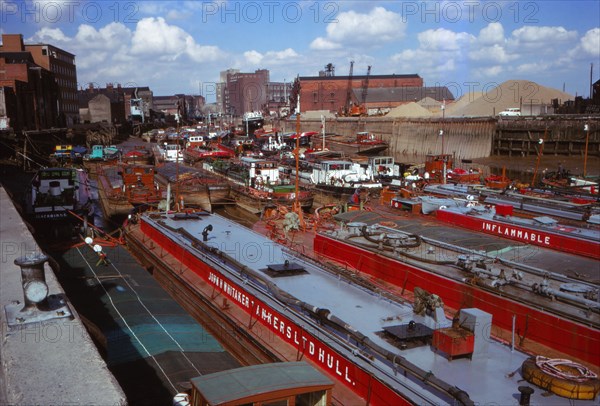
column 357, row 335
column 537, row 315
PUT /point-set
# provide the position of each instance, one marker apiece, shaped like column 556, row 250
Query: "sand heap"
column 411, row 109
column 512, row 93
column 316, row 114
column 460, row 103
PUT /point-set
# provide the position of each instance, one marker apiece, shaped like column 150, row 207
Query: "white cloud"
column 442, row 39
column 49, row 35
column 323, row 44
column 352, row 28
column 531, row 35
column 271, row 58
column 492, row 54
column 492, row 34
column 154, row 36
column 253, row 57
column 488, row 72
column 590, row 42
column 532, row 68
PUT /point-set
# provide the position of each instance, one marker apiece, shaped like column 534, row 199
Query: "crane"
column 365, row 87
column 346, row 109
column 361, row 109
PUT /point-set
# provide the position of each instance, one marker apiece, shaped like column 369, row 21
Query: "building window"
column 315, row 97
column 44, row 51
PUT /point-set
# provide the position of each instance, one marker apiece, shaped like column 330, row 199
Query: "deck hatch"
column 412, row 334
column 288, row 268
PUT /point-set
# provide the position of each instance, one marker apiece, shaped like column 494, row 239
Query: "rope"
column 564, row 369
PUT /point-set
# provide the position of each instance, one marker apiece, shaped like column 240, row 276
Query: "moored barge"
column 383, row 349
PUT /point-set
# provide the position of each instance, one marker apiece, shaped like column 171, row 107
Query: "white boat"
column 172, row 153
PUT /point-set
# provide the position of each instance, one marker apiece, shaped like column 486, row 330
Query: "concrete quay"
column 44, row 362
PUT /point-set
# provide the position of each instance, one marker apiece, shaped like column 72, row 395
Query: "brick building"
column 30, row 91
column 62, row 64
column 190, row 107
column 102, row 104
column 245, row 92
column 331, row 92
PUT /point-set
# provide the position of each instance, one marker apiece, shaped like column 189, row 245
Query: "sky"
column 182, row 46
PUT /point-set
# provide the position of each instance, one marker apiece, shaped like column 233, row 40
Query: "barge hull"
column 308, row 344
column 536, row 324
column 540, row 238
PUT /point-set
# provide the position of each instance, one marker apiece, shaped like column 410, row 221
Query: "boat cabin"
column 340, row 172
column 280, row 383
column 364, row 136
column 142, row 175
column 261, row 170
column 436, row 165
column 384, row 166
column 172, row 152
column 100, row 152
column 195, row 141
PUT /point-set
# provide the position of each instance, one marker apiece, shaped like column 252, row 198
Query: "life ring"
column 564, row 378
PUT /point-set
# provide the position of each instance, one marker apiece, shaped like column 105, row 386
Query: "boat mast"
column 323, row 126
column 539, row 157
column 297, row 206
column 297, row 152
column 586, row 128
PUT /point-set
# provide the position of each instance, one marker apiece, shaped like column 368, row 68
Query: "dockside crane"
column 365, row 88
column 361, row 110
column 347, row 103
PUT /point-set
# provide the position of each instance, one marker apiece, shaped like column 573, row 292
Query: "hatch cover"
column 288, row 268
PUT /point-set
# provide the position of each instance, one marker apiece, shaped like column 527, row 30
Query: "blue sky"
column 181, row 46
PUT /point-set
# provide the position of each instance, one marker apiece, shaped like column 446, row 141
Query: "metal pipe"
column 512, row 341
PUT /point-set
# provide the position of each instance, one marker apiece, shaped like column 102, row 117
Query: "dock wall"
column 50, row 362
column 468, row 138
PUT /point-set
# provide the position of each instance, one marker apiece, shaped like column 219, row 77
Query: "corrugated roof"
column 241, row 383
column 404, row 94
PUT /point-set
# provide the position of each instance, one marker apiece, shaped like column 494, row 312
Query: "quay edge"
column 35, row 355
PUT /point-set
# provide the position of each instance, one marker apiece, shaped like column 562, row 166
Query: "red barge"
column 385, row 350
column 534, row 304
column 542, row 231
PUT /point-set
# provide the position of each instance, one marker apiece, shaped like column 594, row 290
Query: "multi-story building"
column 245, row 92
column 222, row 97
column 102, row 104
column 62, row 64
column 188, row 107
column 32, row 90
column 278, row 93
column 334, row 93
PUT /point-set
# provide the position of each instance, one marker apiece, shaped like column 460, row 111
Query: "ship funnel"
column 54, row 188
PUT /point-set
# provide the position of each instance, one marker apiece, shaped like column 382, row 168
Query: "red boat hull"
column 559, row 242
column 307, row 343
column 534, row 324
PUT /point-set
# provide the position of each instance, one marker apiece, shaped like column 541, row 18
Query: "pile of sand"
column 411, row 109
column 512, row 93
column 460, row 103
column 429, row 103
column 316, row 114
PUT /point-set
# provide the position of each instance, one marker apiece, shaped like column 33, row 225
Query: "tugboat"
column 256, row 184
column 58, row 199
